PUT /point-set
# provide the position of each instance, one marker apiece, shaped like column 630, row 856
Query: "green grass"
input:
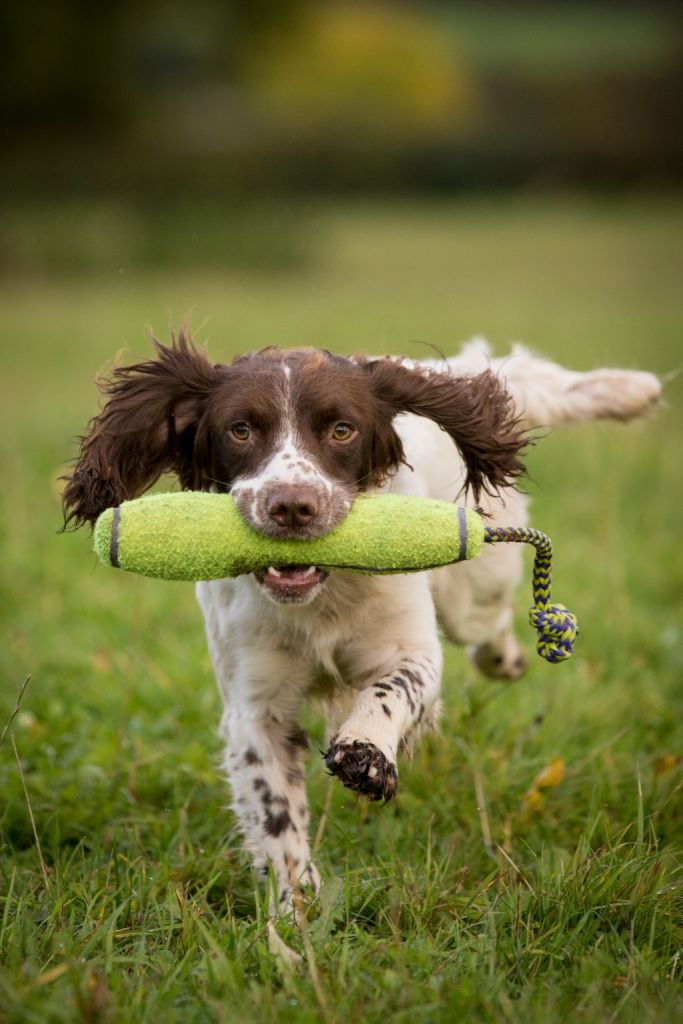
column 148, row 910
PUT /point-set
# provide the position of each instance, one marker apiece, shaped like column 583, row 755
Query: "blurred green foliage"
column 227, row 97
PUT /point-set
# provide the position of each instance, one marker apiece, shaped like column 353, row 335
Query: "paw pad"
column 362, row 767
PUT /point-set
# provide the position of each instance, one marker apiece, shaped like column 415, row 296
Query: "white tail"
column 548, row 395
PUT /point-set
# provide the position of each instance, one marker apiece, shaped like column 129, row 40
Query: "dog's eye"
column 240, row 431
column 343, row 432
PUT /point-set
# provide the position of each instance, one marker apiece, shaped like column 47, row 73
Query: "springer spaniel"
column 294, row 436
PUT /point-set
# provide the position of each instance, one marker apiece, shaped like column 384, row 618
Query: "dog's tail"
column 548, row 395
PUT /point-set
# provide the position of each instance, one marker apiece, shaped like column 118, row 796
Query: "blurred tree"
column 363, row 68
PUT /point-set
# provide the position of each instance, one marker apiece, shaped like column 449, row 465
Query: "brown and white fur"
column 294, row 435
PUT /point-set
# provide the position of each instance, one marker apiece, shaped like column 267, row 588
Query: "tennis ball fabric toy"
column 193, row 535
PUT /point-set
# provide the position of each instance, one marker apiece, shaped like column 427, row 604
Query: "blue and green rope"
column 556, row 626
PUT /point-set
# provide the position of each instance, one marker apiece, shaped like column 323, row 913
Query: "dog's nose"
column 292, row 505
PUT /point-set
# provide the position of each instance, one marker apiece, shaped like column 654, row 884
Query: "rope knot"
column 556, row 626
column 557, row 630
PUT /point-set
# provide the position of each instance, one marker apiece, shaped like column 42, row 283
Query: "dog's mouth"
column 291, row 584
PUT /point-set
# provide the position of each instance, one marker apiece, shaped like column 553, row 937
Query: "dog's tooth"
column 274, row 571
column 309, row 571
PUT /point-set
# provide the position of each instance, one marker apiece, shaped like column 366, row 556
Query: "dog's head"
column 293, row 435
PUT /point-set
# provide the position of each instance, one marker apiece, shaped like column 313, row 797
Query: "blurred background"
column 152, row 134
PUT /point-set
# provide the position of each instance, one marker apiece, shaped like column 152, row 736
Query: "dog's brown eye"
column 343, row 432
column 240, row 431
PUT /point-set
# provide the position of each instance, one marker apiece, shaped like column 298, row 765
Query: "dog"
column 294, row 436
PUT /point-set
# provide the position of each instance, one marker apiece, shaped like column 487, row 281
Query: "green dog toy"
column 193, row 535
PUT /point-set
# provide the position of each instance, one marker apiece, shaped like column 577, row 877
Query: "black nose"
column 292, row 505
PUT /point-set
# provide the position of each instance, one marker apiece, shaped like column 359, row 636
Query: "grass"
column 475, row 895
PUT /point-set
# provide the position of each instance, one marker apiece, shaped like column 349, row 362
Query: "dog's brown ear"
column 477, row 412
column 148, row 426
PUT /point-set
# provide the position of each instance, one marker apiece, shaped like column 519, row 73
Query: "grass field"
column 465, row 899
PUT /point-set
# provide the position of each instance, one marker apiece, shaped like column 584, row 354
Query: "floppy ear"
column 149, row 425
column 477, row 412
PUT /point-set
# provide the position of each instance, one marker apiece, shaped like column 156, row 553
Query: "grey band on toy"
column 114, row 543
column 462, row 533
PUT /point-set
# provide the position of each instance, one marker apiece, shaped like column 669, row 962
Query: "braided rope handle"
column 556, row 626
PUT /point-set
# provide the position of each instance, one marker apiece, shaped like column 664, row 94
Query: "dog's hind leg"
column 475, row 599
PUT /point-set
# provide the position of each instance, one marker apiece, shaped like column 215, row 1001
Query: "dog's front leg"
column 264, row 762
column 263, row 687
column 362, row 752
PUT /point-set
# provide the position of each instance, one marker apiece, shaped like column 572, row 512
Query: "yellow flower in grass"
column 549, row 777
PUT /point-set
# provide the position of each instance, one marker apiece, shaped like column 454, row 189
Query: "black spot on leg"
column 387, row 710
column 412, row 677
column 270, row 799
column 251, row 757
column 404, row 686
column 259, row 783
column 275, row 824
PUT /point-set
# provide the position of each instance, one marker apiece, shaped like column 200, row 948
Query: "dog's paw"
column 502, row 659
column 363, row 768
